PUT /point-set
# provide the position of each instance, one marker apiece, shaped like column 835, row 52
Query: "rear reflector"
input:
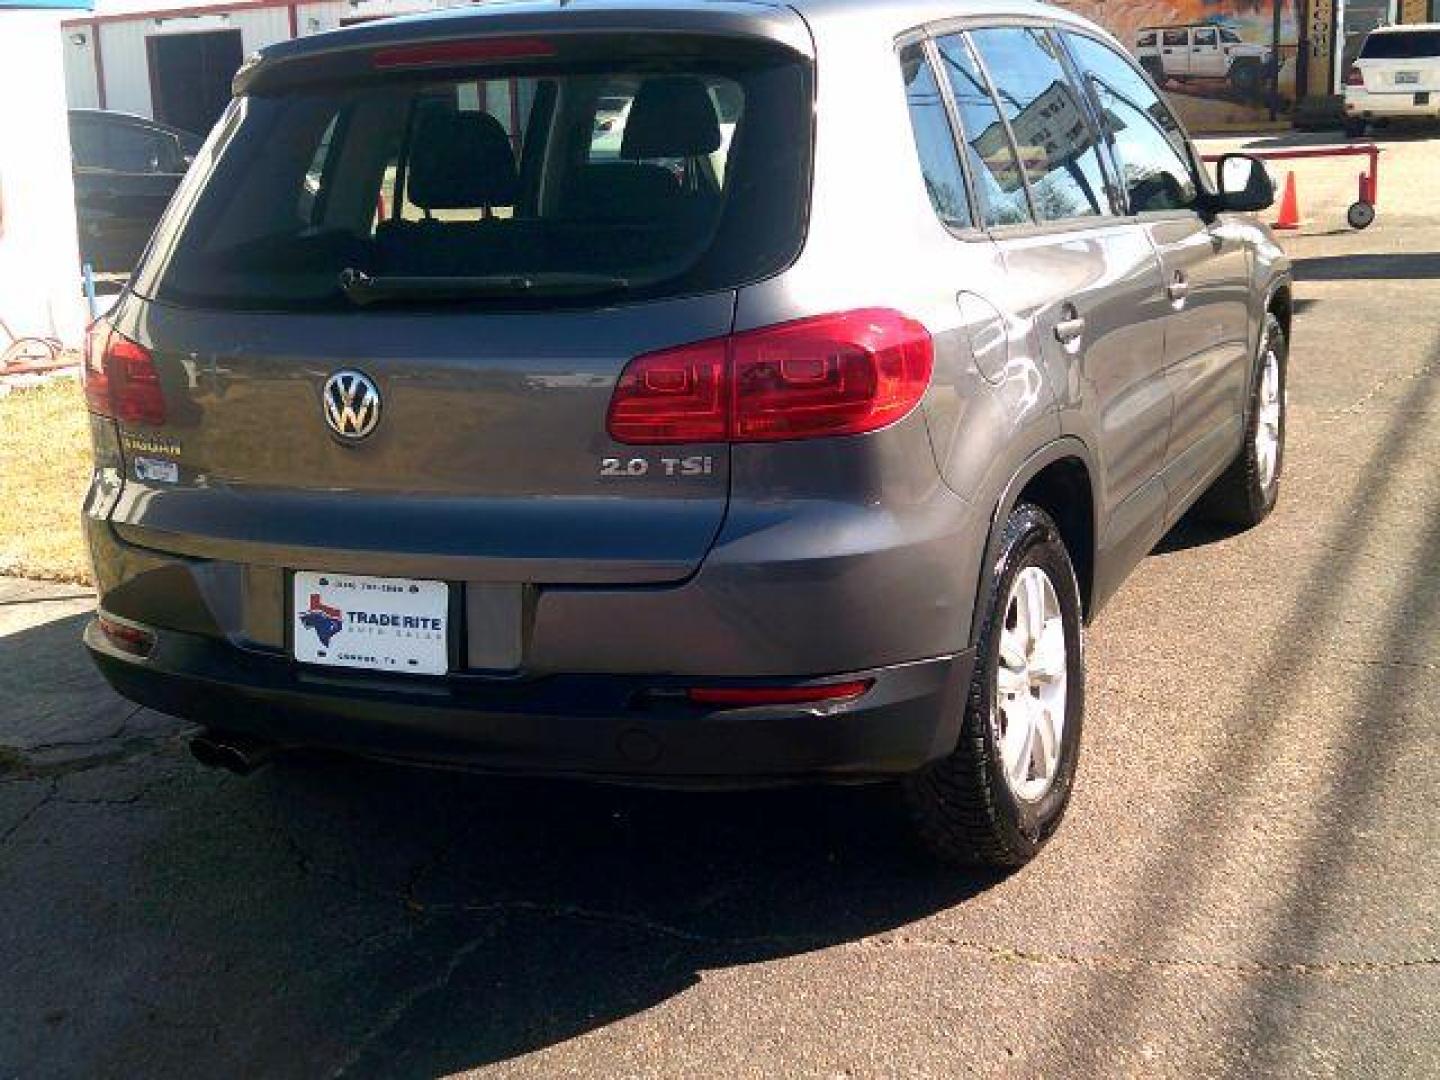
column 778, row 695
column 451, row 53
column 120, row 378
column 126, row 638
column 841, row 374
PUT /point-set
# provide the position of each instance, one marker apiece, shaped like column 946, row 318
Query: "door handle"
column 1070, row 326
column 1179, row 288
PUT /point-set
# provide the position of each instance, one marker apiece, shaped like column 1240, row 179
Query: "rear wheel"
column 998, row 797
column 1245, row 493
column 1354, row 127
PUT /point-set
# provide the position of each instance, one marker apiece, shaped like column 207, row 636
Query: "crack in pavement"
column 1368, row 661
column 68, row 598
column 408, row 1000
column 1119, row 961
column 70, row 744
column 19, row 760
column 40, row 803
column 1360, row 403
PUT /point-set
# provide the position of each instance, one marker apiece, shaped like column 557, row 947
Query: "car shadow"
column 1336, row 137
column 338, row 915
column 1410, row 265
column 1192, row 531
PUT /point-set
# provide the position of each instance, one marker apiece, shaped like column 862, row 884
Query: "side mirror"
column 1244, row 183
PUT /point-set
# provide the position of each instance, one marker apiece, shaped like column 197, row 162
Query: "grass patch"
column 44, row 470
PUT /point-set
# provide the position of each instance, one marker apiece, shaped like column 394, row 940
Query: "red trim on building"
column 294, row 21
column 99, row 58
column 180, row 12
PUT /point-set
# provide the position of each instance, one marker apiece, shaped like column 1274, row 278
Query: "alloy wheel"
column 1031, row 685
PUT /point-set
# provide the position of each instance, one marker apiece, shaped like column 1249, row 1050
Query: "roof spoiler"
column 351, row 52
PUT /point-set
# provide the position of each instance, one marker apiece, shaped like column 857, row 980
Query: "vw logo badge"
column 352, row 404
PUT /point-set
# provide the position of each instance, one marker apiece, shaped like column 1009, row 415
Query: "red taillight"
column 450, row 53
column 840, row 374
column 120, row 378
column 677, row 396
column 1353, row 77
column 740, row 696
column 833, row 375
column 126, row 637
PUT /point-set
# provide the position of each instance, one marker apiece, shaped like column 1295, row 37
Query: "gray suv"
column 678, row 393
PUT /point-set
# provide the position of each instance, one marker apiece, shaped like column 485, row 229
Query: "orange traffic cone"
column 1289, row 206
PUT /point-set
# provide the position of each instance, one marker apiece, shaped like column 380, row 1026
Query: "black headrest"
column 460, row 160
column 672, row 116
column 623, row 189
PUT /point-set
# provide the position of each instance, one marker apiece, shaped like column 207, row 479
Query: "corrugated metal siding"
column 127, row 74
column 127, row 64
column 315, row 18
column 80, row 89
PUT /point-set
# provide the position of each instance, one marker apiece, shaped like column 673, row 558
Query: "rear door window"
column 999, row 183
column 934, row 138
column 87, row 144
column 134, row 149
column 1402, row 45
column 1052, row 134
column 633, row 179
column 1153, row 157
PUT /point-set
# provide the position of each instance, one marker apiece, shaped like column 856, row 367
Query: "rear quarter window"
column 934, row 138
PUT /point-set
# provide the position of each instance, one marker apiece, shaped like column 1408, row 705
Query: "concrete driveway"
column 1248, row 882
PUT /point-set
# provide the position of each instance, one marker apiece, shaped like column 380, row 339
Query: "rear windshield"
column 629, row 179
column 1401, row 45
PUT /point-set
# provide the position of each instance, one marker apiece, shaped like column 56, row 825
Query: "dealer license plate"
column 380, row 624
column 1407, row 78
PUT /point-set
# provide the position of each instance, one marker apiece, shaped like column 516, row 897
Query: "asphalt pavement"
column 1248, row 882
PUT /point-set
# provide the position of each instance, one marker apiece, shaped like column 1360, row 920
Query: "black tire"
column 962, row 806
column 1355, row 128
column 1245, row 78
column 1361, row 215
column 1154, row 69
column 1239, row 496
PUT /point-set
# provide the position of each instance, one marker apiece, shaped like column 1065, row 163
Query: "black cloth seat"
column 460, row 161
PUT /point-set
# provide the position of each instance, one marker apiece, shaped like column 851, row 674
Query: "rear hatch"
column 1401, row 61
column 479, row 220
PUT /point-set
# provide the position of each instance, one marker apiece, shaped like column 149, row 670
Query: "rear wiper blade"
column 361, row 288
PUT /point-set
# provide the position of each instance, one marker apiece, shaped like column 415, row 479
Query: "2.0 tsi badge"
column 352, row 404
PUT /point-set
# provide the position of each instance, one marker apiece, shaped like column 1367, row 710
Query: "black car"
column 126, row 169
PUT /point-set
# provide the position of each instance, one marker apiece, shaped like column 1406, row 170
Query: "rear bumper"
column 1361, row 103
column 625, row 728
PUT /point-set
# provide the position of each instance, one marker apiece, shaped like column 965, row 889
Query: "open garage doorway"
column 190, row 76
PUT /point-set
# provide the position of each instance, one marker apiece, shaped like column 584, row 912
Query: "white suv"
column 1203, row 51
column 1397, row 74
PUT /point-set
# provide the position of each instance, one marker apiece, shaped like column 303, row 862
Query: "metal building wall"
column 127, row 63
column 315, row 18
column 125, row 58
column 80, row 89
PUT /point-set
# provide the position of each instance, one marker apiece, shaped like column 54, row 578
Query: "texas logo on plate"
column 379, row 624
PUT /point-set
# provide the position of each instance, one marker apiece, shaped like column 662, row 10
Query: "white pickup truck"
column 1203, row 51
column 1396, row 76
